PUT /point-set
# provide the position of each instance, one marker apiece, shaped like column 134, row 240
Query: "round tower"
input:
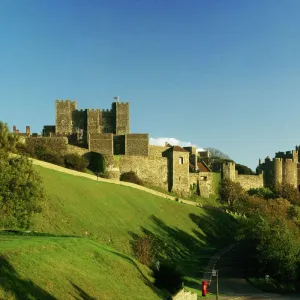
column 277, row 177
column 290, row 172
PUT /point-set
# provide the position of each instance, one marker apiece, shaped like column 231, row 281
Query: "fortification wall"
column 101, row 143
column 137, row 144
column 157, row 151
column 151, row 170
column 204, row 182
column 250, row 181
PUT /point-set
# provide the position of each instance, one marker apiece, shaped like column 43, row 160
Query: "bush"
column 261, row 192
column 168, row 277
column 75, row 162
column 53, row 158
column 288, row 192
column 143, row 248
column 131, row 177
column 97, row 163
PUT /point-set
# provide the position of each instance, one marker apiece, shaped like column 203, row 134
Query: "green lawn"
column 69, row 268
column 107, row 217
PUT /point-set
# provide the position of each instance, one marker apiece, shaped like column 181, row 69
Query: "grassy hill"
column 108, row 218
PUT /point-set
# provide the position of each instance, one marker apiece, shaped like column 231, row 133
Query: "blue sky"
column 222, row 74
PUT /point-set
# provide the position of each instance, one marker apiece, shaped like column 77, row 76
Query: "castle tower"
column 121, row 110
column 277, row 177
column 228, row 171
column 290, row 172
column 64, row 116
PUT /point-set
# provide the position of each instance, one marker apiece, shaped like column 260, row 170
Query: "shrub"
column 131, row 177
column 261, row 192
column 53, row 158
column 75, row 162
column 288, row 192
column 143, row 249
column 168, row 277
column 97, row 163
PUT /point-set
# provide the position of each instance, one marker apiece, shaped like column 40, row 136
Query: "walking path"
column 231, row 280
column 94, row 177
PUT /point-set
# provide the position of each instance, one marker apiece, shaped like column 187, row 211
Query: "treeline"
column 271, row 228
column 52, row 151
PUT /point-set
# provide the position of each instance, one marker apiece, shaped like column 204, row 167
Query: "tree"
column 231, row 193
column 8, row 140
column 21, row 187
column 243, row 170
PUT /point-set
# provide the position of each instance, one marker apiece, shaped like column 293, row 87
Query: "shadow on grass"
column 12, row 283
column 81, row 293
column 146, row 280
column 190, row 251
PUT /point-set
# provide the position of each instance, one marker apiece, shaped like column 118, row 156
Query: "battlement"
column 277, row 159
column 65, row 101
column 106, row 110
column 122, row 103
column 229, row 163
column 93, row 110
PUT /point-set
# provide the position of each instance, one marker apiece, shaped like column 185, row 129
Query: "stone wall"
column 157, row 151
column 204, row 181
column 101, row 143
column 151, row 170
column 250, row 181
column 185, row 295
column 64, row 112
column 137, row 144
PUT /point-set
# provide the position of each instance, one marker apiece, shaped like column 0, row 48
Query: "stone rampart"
column 151, row 170
column 250, row 181
column 156, row 151
column 137, row 144
column 204, row 182
column 101, row 143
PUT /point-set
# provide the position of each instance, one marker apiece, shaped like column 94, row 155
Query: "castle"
column 172, row 168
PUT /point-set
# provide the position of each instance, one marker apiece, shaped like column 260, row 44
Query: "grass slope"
column 37, row 267
column 114, row 216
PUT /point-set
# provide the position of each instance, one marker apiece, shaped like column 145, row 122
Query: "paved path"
column 231, row 281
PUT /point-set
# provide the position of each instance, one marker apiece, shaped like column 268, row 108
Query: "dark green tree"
column 21, row 188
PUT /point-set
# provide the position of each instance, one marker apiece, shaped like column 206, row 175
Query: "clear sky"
column 222, row 74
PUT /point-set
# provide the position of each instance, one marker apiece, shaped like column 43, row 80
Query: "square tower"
column 121, row 110
column 64, row 116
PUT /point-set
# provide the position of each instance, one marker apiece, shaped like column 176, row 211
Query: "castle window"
column 180, row 161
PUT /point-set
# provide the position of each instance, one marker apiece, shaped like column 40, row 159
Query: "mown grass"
column 109, row 216
column 69, row 268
